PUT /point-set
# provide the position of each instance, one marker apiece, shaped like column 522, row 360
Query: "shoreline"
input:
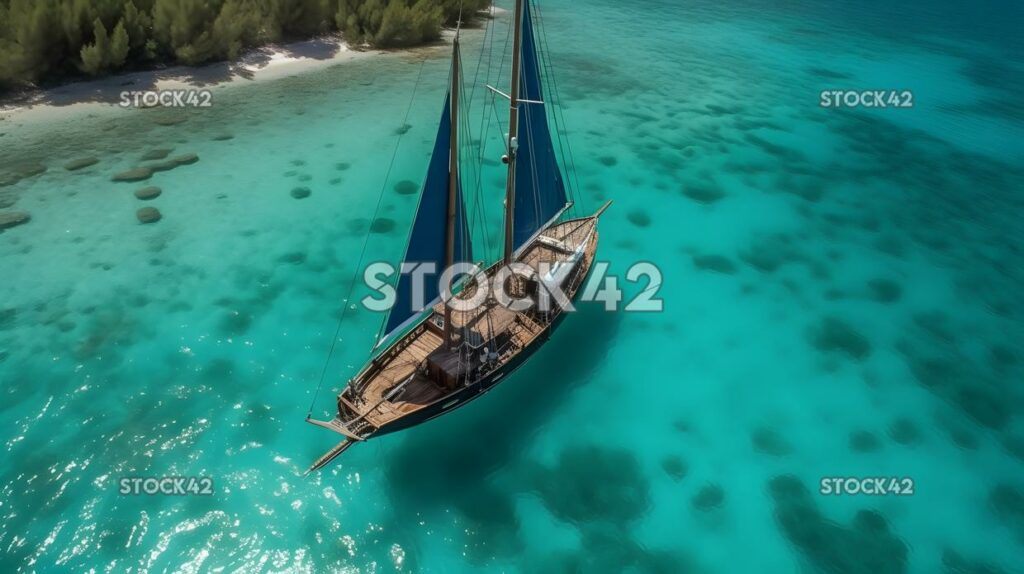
column 265, row 63
column 269, row 62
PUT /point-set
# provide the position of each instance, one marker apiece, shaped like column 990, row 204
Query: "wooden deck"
column 415, row 394
column 399, row 383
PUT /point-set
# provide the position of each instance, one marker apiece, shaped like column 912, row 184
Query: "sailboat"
column 440, row 356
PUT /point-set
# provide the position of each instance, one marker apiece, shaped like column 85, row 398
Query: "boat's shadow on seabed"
column 436, row 465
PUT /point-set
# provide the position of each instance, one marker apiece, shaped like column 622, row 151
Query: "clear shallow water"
column 842, row 298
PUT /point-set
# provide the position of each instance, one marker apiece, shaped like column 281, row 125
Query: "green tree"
column 119, row 46
column 76, row 21
column 96, row 56
column 427, row 19
column 237, row 27
column 30, row 26
column 297, row 18
column 405, row 25
column 360, row 20
column 181, row 29
column 139, row 26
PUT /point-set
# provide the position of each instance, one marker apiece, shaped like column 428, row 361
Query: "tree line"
column 49, row 40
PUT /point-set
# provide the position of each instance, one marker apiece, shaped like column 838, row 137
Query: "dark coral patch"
column 147, row 193
column 960, row 382
column 611, row 550
column 709, row 497
column 156, row 154
column 864, row 441
column 984, row 405
column 904, row 431
column 382, row 225
column 8, row 317
column 148, row 215
column 294, row 258
column 406, row 187
column 357, row 226
column 493, row 524
column 1002, row 356
column 703, row 193
column 769, row 441
column 137, row 174
column 716, row 263
column 936, row 324
column 235, row 323
column 82, row 163
column 590, row 483
column 639, row 218
column 954, row 563
column 835, row 335
column 608, row 161
column 810, row 189
column 867, row 546
column 1007, row 503
column 675, row 467
column 963, row 438
column 1014, row 445
column 828, row 74
column 885, row 290
column 770, row 253
column 607, row 550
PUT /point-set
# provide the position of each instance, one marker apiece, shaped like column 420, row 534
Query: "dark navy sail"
column 540, row 191
column 427, row 240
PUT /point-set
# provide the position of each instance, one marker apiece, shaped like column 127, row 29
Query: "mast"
column 453, row 181
column 513, row 131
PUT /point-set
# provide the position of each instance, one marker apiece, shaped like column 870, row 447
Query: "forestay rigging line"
column 366, row 240
column 479, row 63
column 479, row 214
column 558, row 113
column 529, row 112
column 381, row 331
column 485, row 124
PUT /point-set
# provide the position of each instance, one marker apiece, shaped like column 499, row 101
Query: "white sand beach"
column 262, row 64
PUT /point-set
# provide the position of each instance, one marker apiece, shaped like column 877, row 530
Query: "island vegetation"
column 46, row 41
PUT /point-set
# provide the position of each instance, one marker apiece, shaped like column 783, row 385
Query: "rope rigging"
column 558, row 115
column 362, row 252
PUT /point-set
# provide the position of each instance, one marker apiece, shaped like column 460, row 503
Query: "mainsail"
column 427, row 242
column 540, row 191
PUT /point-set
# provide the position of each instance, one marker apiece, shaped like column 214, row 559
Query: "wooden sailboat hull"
column 477, row 389
column 365, row 424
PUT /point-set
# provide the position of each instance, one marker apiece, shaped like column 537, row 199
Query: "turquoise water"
column 842, row 297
